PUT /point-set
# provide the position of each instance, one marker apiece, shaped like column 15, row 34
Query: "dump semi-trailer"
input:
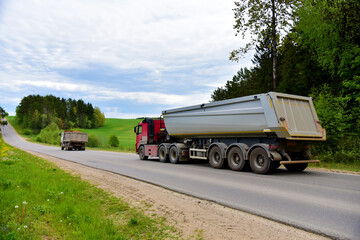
column 73, row 140
column 263, row 131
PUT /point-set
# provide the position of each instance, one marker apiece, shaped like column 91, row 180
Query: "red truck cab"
column 149, row 133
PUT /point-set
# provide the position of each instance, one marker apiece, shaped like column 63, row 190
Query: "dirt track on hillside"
column 189, row 214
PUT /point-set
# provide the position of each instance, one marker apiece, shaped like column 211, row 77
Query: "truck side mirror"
column 135, row 129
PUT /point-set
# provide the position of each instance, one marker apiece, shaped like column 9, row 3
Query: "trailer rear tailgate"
column 298, row 115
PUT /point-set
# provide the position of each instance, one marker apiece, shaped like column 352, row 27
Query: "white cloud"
column 123, row 34
column 101, row 93
column 114, row 112
column 184, row 43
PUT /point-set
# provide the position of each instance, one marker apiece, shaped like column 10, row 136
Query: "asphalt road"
column 321, row 202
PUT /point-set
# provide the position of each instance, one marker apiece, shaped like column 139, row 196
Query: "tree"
column 332, row 30
column 37, row 112
column 298, row 71
column 260, row 18
column 98, row 118
column 3, row 114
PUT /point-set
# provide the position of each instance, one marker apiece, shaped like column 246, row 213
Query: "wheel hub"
column 260, row 160
column 236, row 159
column 217, row 157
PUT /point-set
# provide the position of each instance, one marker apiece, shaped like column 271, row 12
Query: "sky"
column 131, row 58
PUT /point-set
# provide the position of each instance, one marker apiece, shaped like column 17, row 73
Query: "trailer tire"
column 142, row 153
column 163, row 157
column 260, row 162
column 296, row 167
column 174, row 154
column 236, row 159
column 216, row 157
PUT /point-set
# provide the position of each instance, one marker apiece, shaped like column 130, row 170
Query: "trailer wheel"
column 163, row 157
column 215, row 157
column 236, row 159
column 296, row 167
column 174, row 154
column 142, row 153
column 259, row 161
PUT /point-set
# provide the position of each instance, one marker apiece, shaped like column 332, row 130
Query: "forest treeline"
column 318, row 56
column 37, row 112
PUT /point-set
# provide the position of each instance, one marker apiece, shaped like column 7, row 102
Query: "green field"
column 38, row 200
column 122, row 128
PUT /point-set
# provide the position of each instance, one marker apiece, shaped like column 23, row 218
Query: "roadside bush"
column 113, row 141
column 93, row 141
column 50, row 134
column 27, row 131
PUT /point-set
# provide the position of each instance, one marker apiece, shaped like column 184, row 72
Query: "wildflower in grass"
column 48, row 200
column 61, row 193
column 16, row 206
column 25, row 226
column 18, row 229
column 60, row 220
column 23, row 211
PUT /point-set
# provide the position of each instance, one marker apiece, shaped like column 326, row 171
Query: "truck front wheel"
column 259, row 161
column 174, row 154
column 142, row 153
column 215, row 157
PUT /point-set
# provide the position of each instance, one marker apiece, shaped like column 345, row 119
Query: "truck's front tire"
column 174, row 154
column 216, row 159
column 142, row 155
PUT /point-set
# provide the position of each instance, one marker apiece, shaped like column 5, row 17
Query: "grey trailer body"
column 262, row 131
column 281, row 115
column 73, row 140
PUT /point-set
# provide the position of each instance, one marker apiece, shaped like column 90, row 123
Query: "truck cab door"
column 141, row 134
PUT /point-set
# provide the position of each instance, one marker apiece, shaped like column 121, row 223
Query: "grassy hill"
column 122, row 128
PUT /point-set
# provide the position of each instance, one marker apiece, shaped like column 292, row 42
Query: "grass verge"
column 352, row 167
column 40, row 201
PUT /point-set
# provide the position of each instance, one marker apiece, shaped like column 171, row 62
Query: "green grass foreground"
column 40, row 201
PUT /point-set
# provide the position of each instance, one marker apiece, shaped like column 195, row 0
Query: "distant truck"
column 262, row 131
column 73, row 140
